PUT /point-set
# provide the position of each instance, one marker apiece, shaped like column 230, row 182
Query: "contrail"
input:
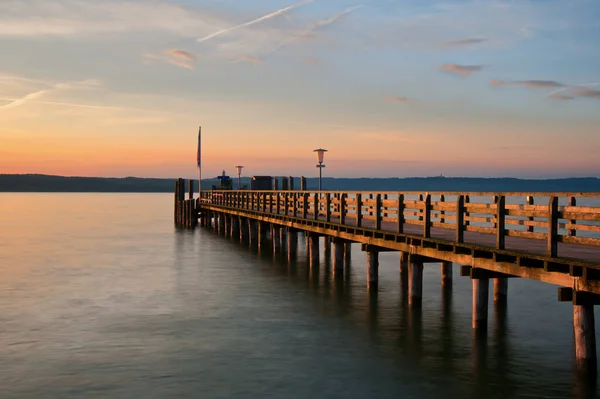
column 256, row 21
column 20, row 101
column 570, row 87
column 314, row 26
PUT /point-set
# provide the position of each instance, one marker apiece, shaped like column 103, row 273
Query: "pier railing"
column 552, row 217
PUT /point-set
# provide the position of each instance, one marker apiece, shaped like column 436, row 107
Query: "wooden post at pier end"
column 372, row 268
column 338, row 257
column 302, row 183
column 585, row 338
column 584, row 328
column 446, row 271
column 415, row 280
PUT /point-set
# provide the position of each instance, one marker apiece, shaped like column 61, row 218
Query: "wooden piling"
column 481, row 288
column 500, row 291
column 585, row 338
column 314, row 250
column 347, row 252
column 292, row 245
column 446, row 271
column 415, row 281
column 372, row 269
column 338, row 257
column 275, row 238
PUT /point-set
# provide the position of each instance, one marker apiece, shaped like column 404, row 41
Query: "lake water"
column 100, row 296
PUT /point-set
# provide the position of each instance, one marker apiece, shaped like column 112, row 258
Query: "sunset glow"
column 390, row 88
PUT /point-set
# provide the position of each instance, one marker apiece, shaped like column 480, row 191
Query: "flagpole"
column 199, row 158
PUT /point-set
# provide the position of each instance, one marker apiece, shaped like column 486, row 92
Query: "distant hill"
column 47, row 183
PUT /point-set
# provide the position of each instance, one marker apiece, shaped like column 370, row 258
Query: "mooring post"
column 338, row 257
column 446, row 270
column 500, row 291
column 481, row 288
column 585, row 338
column 372, row 269
column 314, row 250
column 415, row 280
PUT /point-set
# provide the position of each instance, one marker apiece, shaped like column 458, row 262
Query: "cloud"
column 175, row 57
column 462, row 70
column 271, row 15
column 532, row 84
column 560, row 96
column 181, row 54
column 251, row 59
column 310, row 61
column 465, row 42
column 586, row 92
column 396, row 100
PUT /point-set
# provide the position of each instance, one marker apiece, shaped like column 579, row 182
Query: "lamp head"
column 320, row 154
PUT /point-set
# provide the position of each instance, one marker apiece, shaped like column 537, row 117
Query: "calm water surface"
column 101, row 296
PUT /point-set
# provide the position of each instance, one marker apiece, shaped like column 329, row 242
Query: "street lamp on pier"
column 239, row 172
column 320, row 154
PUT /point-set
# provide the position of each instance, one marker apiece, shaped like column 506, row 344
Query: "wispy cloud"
column 310, row 61
column 181, row 54
column 532, row 84
column 38, row 93
column 251, row 59
column 396, row 99
column 462, row 70
column 180, row 58
column 23, row 100
column 562, row 91
column 266, row 17
column 465, row 42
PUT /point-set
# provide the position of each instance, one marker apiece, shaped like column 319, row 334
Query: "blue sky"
column 391, row 88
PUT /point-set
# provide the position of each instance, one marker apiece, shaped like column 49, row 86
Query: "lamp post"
column 239, row 172
column 320, row 154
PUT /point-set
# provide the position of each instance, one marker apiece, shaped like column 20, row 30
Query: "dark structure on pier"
column 549, row 237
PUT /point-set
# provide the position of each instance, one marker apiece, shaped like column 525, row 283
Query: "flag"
column 199, row 154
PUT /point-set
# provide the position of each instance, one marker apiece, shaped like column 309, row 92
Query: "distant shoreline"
column 61, row 184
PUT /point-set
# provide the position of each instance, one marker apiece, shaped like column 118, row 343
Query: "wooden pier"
column 549, row 237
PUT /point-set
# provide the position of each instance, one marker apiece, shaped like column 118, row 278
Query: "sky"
column 390, row 88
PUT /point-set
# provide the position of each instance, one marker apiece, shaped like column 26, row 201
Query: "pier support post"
column 221, row 223
column 262, row 233
column 282, row 237
column 314, row 250
column 415, row 281
column 327, row 247
column 481, row 288
column 404, row 266
column 275, row 238
column 348, row 252
column 585, row 338
column 500, row 291
column 338, row 257
column 235, row 225
column 372, row 269
column 446, row 270
column 243, row 230
column 292, row 245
